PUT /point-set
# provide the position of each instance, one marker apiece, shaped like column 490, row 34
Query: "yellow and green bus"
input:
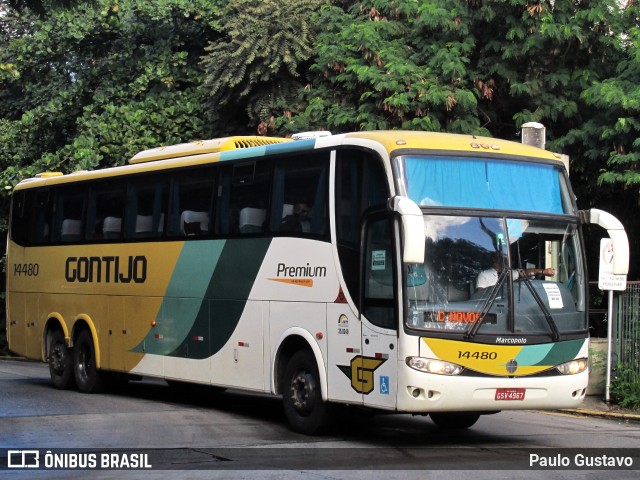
column 399, row 271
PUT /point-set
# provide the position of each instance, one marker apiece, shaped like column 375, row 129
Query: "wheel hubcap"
column 303, row 392
column 58, row 359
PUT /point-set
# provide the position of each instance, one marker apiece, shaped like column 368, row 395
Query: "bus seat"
column 252, row 219
column 71, row 230
column 111, row 227
column 287, row 209
column 144, row 225
column 194, row 223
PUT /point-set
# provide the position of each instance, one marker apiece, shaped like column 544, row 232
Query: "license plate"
column 510, row 393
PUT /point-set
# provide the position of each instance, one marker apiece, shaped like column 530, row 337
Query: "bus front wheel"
column 60, row 362
column 302, row 398
column 88, row 377
column 454, row 420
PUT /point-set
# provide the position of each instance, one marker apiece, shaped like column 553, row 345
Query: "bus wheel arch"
column 292, row 341
column 58, row 354
column 299, row 378
column 86, row 358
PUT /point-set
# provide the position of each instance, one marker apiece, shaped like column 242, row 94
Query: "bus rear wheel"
column 88, row 378
column 302, row 398
column 60, row 362
column 454, row 420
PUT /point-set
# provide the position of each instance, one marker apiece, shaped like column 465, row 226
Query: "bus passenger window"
column 192, row 203
column 361, row 184
column 146, row 204
column 299, row 202
column 69, row 215
column 243, row 198
column 105, row 211
column 30, row 217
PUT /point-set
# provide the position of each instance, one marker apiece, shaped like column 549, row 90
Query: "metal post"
column 607, row 393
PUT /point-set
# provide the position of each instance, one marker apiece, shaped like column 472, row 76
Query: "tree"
column 398, row 64
column 609, row 139
column 619, row 98
column 257, row 69
column 90, row 86
column 474, row 66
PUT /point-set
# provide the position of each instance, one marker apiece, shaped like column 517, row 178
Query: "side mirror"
column 616, row 232
column 413, row 236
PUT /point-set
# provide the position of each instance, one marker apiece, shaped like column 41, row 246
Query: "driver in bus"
column 299, row 220
column 489, row 277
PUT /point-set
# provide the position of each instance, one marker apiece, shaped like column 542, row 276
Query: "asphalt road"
column 203, row 434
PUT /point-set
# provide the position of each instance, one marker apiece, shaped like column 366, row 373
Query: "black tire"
column 301, row 395
column 454, row 421
column 88, row 378
column 60, row 361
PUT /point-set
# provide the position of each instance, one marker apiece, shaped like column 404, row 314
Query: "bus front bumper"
column 420, row 392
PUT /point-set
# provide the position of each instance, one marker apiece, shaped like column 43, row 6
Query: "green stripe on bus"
column 183, row 298
column 550, row 353
column 226, row 297
column 563, row 352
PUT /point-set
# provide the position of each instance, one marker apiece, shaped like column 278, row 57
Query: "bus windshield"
column 498, row 275
column 448, row 181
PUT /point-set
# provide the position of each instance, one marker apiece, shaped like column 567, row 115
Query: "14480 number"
column 478, row 355
column 26, row 269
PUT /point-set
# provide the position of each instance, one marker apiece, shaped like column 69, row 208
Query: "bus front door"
column 379, row 316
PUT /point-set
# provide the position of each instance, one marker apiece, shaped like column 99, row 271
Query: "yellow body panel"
column 118, row 314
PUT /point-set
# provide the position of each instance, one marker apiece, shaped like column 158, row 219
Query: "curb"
column 635, row 417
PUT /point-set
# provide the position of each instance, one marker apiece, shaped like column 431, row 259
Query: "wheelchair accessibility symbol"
column 384, row 385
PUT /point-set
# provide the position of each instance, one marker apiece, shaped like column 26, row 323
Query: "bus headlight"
column 578, row 365
column 432, row 365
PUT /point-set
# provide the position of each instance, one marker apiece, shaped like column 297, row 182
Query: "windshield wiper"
column 487, row 304
column 547, row 315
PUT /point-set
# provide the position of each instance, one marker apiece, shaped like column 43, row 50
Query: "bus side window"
column 69, row 214
column 146, row 204
column 243, row 198
column 192, row 203
column 300, row 195
column 360, row 184
column 19, row 224
column 105, row 211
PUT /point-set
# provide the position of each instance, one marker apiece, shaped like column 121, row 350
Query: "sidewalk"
column 594, row 405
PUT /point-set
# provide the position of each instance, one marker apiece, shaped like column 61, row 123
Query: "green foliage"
column 625, row 386
column 400, row 64
column 260, row 62
column 92, row 85
column 619, row 96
